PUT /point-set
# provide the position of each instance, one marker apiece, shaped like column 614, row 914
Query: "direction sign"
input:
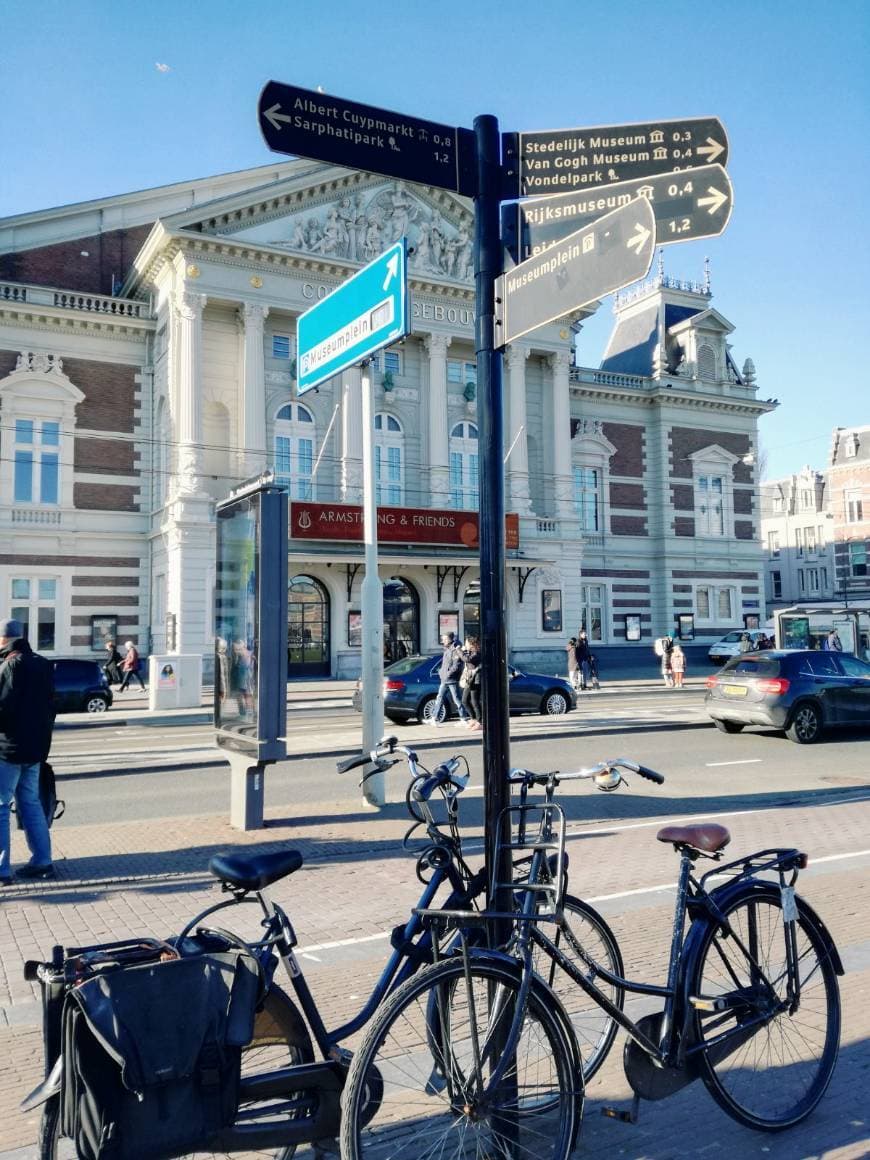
column 694, row 203
column 560, row 160
column 608, row 254
column 367, row 312
column 304, row 123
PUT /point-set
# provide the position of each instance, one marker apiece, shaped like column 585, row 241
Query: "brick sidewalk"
column 150, row 877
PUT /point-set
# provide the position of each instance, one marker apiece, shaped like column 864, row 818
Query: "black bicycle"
column 751, row 1006
column 294, row 1068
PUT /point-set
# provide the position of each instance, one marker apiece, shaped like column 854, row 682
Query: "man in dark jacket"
column 26, row 723
column 448, row 675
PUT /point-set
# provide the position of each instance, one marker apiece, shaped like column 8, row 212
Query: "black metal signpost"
column 604, row 254
column 691, row 204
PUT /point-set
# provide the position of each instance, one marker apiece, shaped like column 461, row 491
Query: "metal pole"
column 372, row 653
column 490, row 421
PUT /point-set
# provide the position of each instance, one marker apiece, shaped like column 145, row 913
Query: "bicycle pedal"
column 625, row 1117
column 323, row 1149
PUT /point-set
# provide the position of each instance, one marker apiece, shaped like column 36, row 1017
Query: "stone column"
column 351, row 436
column 189, row 308
column 439, row 470
column 518, row 464
column 563, row 484
column 253, row 408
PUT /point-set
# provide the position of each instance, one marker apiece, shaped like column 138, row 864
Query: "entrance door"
column 401, row 620
column 307, row 628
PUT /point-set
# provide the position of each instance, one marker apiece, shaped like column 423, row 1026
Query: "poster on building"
column 103, row 629
column 354, row 629
column 448, row 622
column 632, row 626
column 166, row 678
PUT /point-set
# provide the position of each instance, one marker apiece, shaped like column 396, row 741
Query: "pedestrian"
column 663, row 648
column 573, row 663
column 130, row 666
column 678, row 664
column 593, row 670
column 113, row 660
column 583, row 655
column 26, row 724
column 833, row 642
column 470, row 682
column 448, row 675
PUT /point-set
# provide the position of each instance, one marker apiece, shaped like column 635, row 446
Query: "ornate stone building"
column 147, row 364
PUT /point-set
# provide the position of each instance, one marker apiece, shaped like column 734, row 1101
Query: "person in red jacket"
column 130, row 666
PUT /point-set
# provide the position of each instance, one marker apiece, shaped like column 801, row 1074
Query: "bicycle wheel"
column 585, row 938
column 280, row 1039
column 433, row 1101
column 771, row 1077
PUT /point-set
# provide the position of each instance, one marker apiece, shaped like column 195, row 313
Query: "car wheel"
column 554, row 705
column 806, row 725
column 96, row 704
column 728, row 726
column 427, row 712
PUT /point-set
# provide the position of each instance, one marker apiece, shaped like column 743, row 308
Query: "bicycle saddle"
column 707, row 838
column 254, row 872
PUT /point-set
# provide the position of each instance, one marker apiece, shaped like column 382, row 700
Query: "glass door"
column 307, row 628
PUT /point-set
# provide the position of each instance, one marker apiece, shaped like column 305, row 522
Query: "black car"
column 80, row 686
column 411, row 687
column 801, row 691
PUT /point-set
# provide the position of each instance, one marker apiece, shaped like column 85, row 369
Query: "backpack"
column 52, row 807
column 152, row 1055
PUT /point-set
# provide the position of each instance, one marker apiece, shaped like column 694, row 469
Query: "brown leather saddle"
column 708, row 838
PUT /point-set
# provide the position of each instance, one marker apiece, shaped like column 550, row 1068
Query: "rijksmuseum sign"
column 396, row 525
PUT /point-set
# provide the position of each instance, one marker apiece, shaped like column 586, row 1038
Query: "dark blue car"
column 411, row 686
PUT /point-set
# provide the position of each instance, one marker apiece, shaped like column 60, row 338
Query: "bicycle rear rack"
column 540, row 892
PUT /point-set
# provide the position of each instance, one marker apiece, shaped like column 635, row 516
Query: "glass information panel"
column 237, row 616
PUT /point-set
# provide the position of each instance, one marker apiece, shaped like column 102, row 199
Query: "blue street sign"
column 366, row 313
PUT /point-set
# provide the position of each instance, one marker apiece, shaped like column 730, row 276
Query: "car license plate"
column 735, row 690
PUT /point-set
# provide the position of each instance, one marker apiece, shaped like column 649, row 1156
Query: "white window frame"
column 810, row 540
column 461, row 371
column 853, row 505
column 776, row 582
column 812, row 580
column 773, row 546
column 587, row 603
column 582, row 491
column 390, row 493
column 799, row 542
column 714, row 588
column 713, row 462
column 294, row 430
column 464, row 449
column 291, row 347
column 854, row 562
column 821, row 546
column 389, row 360
column 34, row 602
column 590, row 449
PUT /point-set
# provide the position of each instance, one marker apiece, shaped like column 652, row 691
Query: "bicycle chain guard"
column 645, row 1078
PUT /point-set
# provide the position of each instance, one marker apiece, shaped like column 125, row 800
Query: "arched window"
column 294, row 450
column 401, row 619
column 389, row 465
column 463, row 467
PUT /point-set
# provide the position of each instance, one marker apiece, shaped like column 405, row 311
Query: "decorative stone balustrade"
column 606, row 378
column 70, row 300
column 36, row 516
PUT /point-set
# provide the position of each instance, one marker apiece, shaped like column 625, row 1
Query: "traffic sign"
column 559, row 160
column 367, row 312
column 304, row 123
column 693, row 203
column 608, row 254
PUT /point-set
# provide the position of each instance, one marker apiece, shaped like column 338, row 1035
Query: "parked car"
column 729, row 645
column 801, row 691
column 411, row 686
column 80, row 686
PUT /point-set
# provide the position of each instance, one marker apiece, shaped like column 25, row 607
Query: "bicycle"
column 290, row 1093
column 755, row 973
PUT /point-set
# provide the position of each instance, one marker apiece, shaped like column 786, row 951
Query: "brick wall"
column 627, row 495
column 683, row 497
column 8, row 359
column 742, row 501
column 63, row 265
column 685, row 441
column 628, row 440
column 105, row 497
column 110, row 394
column 684, row 526
column 106, row 456
column 628, row 525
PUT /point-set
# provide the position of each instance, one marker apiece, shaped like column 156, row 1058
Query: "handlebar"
column 605, row 774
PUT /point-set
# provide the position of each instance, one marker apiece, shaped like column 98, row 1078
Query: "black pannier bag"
column 152, row 1055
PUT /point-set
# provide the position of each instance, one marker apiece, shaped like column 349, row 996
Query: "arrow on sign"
column 393, row 269
column 275, row 118
column 714, row 148
column 640, row 238
column 716, row 201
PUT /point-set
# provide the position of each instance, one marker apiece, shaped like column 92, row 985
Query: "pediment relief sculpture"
column 360, row 226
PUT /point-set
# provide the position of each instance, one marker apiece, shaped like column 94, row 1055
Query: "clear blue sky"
column 86, row 113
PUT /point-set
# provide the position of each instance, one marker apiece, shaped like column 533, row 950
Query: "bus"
column 807, row 625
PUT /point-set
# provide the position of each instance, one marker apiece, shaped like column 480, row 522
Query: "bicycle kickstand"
column 625, row 1117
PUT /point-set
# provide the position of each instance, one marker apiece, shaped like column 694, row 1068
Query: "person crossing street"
column 448, row 676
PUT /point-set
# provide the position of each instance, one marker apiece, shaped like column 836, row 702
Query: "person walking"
column 470, row 682
column 583, row 655
column 130, row 666
column 26, row 724
column 448, row 676
column 664, row 647
column 573, row 664
column 678, row 664
column 113, row 660
column 833, row 642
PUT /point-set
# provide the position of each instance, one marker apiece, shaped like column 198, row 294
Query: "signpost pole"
column 490, row 420
column 372, row 657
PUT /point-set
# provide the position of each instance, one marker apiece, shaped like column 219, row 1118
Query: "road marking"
column 745, row 761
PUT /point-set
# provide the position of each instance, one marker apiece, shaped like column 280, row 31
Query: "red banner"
column 396, row 525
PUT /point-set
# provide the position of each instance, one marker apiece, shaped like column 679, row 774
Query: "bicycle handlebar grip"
column 353, row 762
column 651, row 774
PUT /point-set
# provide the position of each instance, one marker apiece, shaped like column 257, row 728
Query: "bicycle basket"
column 537, row 831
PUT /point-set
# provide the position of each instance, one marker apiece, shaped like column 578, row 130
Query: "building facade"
column 147, row 366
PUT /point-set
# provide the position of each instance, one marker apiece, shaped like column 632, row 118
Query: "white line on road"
column 744, row 761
